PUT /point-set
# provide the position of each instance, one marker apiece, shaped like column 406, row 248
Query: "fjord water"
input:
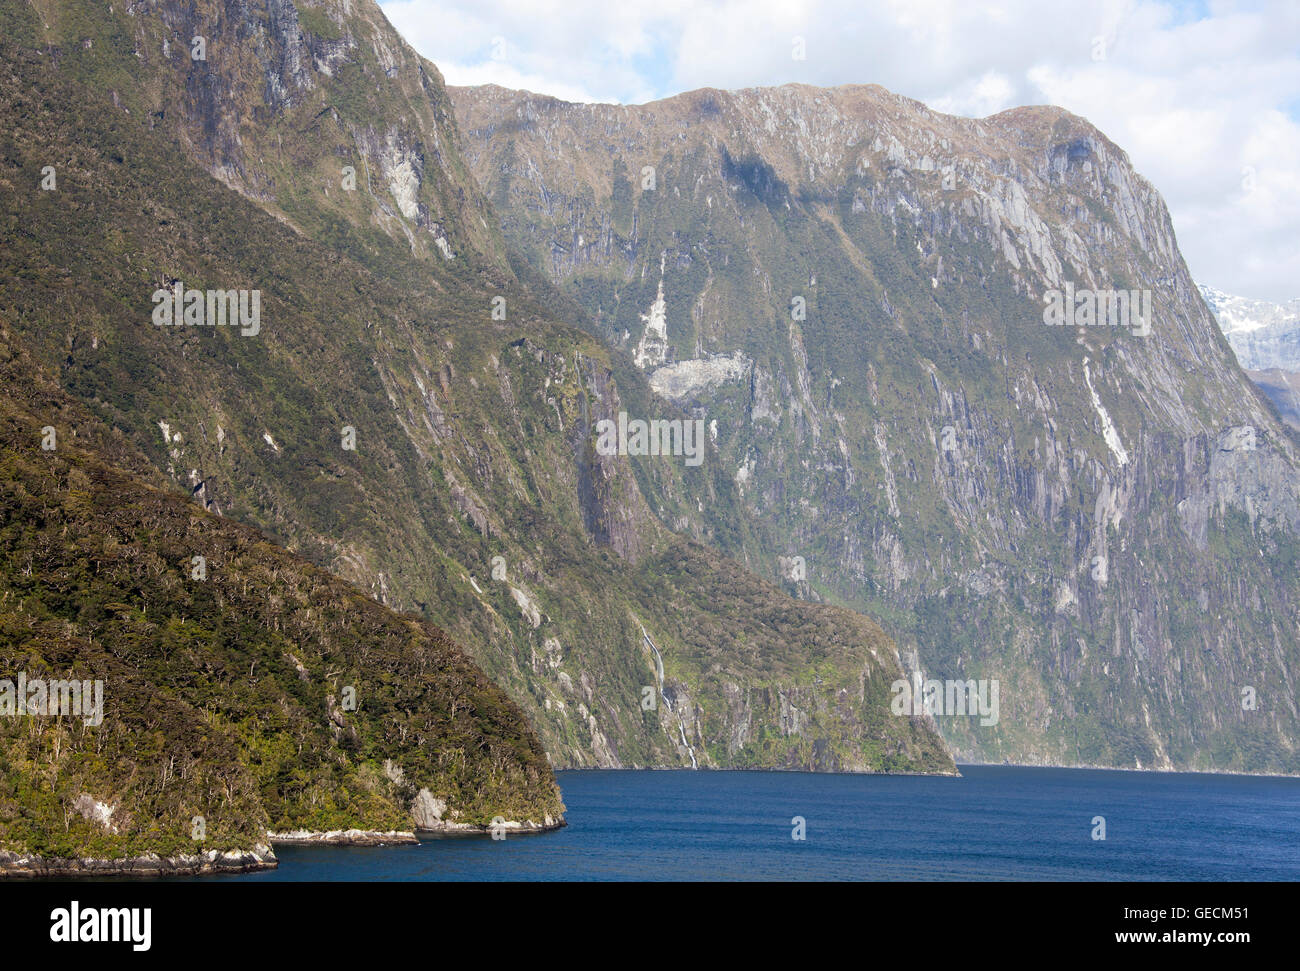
column 993, row 823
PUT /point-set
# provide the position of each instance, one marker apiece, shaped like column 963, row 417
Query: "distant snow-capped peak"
column 1238, row 314
column 1262, row 334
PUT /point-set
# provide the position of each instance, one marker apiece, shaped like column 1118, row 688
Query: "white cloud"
column 978, row 97
column 1196, row 93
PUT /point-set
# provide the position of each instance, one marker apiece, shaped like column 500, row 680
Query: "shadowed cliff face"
column 1283, row 389
column 854, row 288
column 422, row 425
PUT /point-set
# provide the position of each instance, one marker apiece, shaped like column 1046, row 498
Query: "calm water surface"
column 995, row 823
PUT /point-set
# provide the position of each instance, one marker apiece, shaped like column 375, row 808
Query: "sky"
column 1204, row 96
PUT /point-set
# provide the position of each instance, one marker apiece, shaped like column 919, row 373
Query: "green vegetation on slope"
column 227, row 697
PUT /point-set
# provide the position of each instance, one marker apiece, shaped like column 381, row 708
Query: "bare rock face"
column 1101, row 513
column 95, row 811
column 427, row 810
column 687, row 380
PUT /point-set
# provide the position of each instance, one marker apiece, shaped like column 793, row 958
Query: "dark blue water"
column 995, row 823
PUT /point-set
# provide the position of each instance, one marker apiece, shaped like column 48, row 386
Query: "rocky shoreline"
column 15, row 865
column 29, row 866
column 430, row 815
column 342, row 837
column 511, row 826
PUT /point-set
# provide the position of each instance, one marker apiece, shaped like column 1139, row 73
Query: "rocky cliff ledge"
column 342, row 837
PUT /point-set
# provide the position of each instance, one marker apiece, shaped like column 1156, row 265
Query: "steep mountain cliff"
column 923, row 411
column 409, row 409
column 318, row 111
